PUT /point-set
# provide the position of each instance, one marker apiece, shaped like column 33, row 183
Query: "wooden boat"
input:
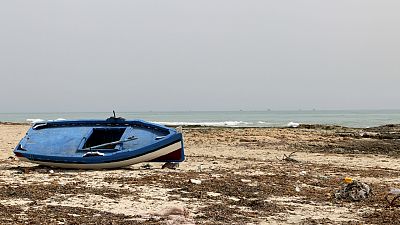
column 99, row 144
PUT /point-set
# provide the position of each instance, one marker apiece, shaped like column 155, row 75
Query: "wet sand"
column 230, row 176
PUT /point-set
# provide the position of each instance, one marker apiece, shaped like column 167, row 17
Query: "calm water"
column 238, row 118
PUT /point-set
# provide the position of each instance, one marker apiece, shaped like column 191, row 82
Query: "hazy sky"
column 91, row 55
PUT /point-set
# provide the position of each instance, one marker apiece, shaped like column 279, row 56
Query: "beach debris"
column 200, row 168
column 195, row 181
column 395, row 191
column 234, row 199
column 293, row 125
column 179, row 129
column 303, row 173
column 289, row 158
column 353, row 190
column 146, row 166
column 348, row 180
column 297, row 189
column 393, row 197
column 170, row 165
column 213, row 194
column 51, row 171
column 245, row 181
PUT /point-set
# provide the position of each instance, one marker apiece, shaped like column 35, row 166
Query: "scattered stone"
column 146, row 166
column 170, row 165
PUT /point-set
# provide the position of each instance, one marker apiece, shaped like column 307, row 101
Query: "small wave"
column 293, row 124
column 211, row 124
column 33, row 121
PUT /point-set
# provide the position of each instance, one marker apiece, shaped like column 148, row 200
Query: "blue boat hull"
column 97, row 144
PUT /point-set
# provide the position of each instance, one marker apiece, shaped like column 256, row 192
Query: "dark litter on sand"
column 353, row 190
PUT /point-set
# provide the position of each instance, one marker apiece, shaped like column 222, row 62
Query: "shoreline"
column 301, row 126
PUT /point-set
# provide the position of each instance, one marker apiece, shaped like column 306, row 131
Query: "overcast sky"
column 91, row 55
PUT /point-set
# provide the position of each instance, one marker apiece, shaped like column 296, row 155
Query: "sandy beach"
column 230, row 176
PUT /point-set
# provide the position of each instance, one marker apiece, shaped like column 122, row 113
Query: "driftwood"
column 289, row 158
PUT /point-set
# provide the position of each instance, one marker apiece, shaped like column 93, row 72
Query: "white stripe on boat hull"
column 117, row 164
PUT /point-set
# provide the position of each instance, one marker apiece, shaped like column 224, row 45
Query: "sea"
column 271, row 118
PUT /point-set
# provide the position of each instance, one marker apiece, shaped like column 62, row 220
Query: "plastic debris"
column 303, row 173
column 395, row 191
column 194, row 181
column 348, row 180
column 213, row 194
column 353, row 191
column 234, row 199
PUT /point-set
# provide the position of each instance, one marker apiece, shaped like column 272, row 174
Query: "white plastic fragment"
column 302, row 173
column 194, row 181
column 394, row 191
column 213, row 194
column 234, row 199
column 245, row 181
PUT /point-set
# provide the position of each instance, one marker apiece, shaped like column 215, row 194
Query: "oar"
column 112, row 143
